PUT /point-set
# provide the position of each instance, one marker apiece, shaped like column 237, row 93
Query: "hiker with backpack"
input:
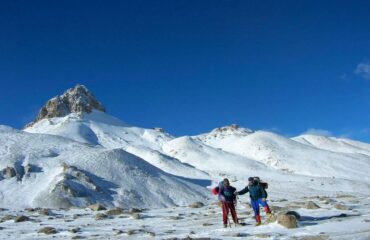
column 258, row 197
column 227, row 197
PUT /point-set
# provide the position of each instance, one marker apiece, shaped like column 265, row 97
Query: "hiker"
column 227, row 197
column 258, row 197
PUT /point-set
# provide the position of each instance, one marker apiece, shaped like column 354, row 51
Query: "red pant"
column 226, row 206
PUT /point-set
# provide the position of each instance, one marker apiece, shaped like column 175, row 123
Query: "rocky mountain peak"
column 75, row 100
column 229, row 130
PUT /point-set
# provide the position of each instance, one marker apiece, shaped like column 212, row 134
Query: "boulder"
column 30, row 209
column 101, row 216
column 196, row 205
column 312, row 205
column 136, row 216
column 9, row 172
column 97, row 207
column 7, row 218
column 263, row 235
column 21, row 218
column 48, row 230
column 341, row 207
column 294, row 213
column 288, row 221
column 74, row 230
column 45, row 212
column 115, row 211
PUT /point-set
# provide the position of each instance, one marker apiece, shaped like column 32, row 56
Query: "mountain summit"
column 75, row 100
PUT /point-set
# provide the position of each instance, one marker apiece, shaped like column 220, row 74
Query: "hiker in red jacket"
column 227, row 197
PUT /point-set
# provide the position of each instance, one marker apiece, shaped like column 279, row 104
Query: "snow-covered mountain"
column 52, row 171
column 75, row 154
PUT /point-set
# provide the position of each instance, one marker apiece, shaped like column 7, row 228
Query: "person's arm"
column 234, row 193
column 221, row 196
column 244, row 191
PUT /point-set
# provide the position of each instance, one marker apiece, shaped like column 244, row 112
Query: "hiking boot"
column 258, row 224
column 225, row 225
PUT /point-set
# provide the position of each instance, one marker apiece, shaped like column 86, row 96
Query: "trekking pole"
column 228, row 220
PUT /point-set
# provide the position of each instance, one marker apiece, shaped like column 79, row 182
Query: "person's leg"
column 258, row 220
column 225, row 212
column 256, row 209
column 233, row 212
column 264, row 205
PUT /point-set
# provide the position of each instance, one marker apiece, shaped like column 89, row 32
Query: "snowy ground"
column 327, row 222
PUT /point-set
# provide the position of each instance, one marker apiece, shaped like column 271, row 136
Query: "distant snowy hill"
column 334, row 144
column 75, row 154
column 286, row 154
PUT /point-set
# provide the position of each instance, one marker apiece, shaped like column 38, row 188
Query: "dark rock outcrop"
column 75, row 100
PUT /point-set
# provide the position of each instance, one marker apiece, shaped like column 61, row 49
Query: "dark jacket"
column 227, row 194
column 255, row 190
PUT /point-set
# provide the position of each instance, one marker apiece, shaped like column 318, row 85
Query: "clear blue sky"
column 190, row 66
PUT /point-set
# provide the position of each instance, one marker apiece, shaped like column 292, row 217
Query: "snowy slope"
column 292, row 156
column 228, row 151
column 209, row 159
column 166, row 163
column 99, row 128
column 334, row 144
column 67, row 173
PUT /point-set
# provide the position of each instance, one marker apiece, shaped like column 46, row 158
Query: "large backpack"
column 215, row 190
column 263, row 184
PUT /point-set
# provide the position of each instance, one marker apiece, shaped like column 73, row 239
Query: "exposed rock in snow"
column 115, row 211
column 189, row 223
column 222, row 132
column 287, row 220
column 97, row 207
column 312, row 205
column 75, row 100
column 21, row 218
column 48, row 230
column 9, row 172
